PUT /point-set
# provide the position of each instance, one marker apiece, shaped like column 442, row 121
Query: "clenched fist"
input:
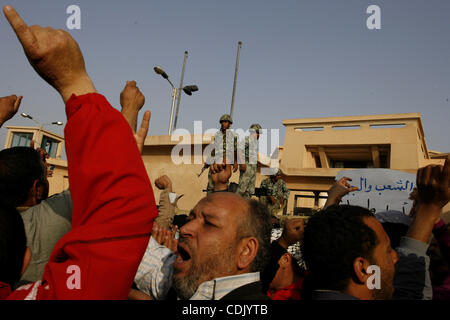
column 8, row 107
column 163, row 183
column 131, row 100
column 433, row 184
column 54, row 54
column 220, row 174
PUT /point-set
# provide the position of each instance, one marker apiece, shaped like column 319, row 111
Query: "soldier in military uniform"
column 277, row 193
column 249, row 164
column 225, row 145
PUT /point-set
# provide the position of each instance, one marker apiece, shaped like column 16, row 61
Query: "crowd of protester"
column 106, row 238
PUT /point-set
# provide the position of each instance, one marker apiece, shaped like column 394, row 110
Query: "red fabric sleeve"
column 113, row 207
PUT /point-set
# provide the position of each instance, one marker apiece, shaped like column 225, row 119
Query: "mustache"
column 185, row 242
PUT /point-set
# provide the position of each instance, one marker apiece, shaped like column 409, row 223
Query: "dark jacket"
column 331, row 295
column 251, row 291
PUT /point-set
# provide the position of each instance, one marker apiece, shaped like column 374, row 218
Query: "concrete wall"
column 407, row 153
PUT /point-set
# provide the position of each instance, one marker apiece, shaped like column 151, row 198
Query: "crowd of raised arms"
column 106, row 237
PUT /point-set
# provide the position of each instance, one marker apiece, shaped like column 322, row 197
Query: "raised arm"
column 54, row 55
column 338, row 190
column 412, row 280
column 433, row 193
column 113, row 202
column 8, row 107
column 131, row 101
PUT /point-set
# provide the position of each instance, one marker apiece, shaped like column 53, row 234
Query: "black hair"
column 395, row 232
column 19, row 168
column 271, row 269
column 13, row 244
column 269, row 272
column 333, row 239
column 257, row 223
column 179, row 220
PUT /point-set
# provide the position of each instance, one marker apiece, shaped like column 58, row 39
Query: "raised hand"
column 141, row 134
column 8, row 107
column 433, row 193
column 433, row 185
column 413, row 197
column 131, row 100
column 220, row 173
column 171, row 242
column 163, row 183
column 338, row 190
column 165, row 237
column 54, row 54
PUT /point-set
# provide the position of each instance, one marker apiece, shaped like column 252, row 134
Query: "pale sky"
column 299, row 59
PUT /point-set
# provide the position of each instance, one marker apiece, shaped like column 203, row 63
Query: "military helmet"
column 276, row 172
column 256, row 127
column 226, row 117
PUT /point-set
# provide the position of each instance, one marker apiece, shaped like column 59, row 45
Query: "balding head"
column 225, row 235
column 234, row 204
column 253, row 220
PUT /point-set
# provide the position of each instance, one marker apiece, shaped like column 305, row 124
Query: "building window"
column 21, row 139
column 50, row 145
column 351, row 164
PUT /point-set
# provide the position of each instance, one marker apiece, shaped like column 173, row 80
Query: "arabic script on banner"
column 380, row 189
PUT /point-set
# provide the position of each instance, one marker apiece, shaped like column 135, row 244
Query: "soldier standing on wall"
column 225, row 145
column 248, row 166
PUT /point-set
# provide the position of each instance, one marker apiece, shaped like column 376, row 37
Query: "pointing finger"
column 23, row 32
column 143, row 130
column 17, row 103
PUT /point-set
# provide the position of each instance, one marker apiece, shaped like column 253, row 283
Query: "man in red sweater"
column 113, row 202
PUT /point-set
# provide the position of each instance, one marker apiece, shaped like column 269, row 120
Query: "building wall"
column 38, row 135
column 402, row 135
column 403, row 141
column 407, row 152
column 59, row 181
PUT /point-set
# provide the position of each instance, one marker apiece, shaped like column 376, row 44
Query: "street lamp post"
column 163, row 74
column 174, row 96
column 187, row 89
column 41, row 126
column 235, row 77
column 179, row 90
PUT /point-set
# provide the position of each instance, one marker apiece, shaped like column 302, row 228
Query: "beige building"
column 51, row 142
column 314, row 151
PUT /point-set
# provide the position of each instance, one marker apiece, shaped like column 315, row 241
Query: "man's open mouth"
column 183, row 253
column 183, row 257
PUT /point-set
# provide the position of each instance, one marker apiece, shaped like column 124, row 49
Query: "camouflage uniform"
column 276, row 189
column 221, row 141
column 247, row 178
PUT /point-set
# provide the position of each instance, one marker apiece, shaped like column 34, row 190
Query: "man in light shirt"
column 222, row 249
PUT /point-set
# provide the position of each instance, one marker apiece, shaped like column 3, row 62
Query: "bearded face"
column 208, row 243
